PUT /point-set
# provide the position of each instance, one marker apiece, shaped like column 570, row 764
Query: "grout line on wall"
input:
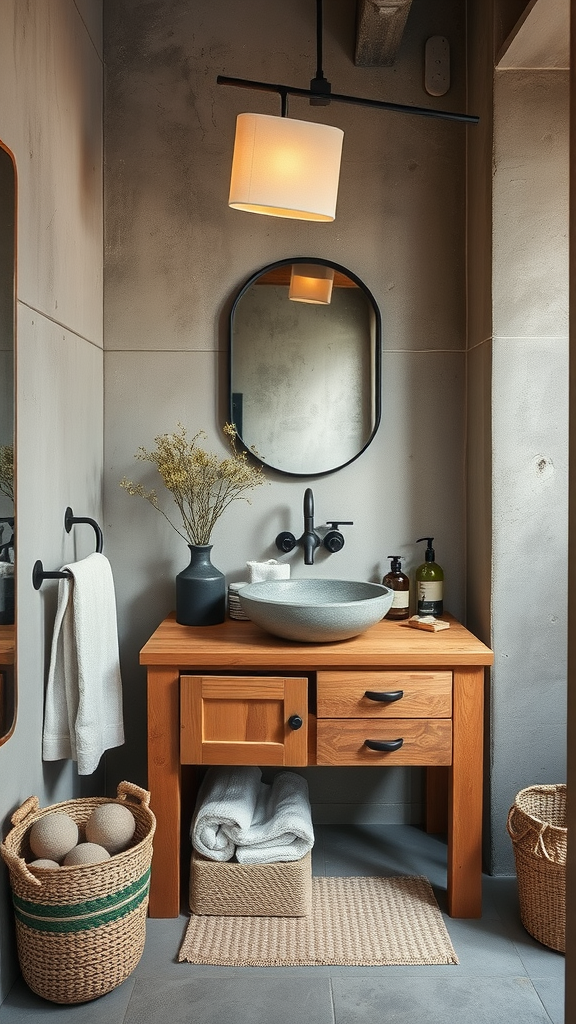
column 58, row 323
column 221, row 351
column 531, row 337
column 88, row 33
column 478, row 344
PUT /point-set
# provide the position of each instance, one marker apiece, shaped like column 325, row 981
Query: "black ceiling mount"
column 320, row 91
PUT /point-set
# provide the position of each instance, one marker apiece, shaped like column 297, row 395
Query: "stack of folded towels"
column 239, row 815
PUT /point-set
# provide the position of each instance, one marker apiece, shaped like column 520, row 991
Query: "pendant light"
column 311, row 282
column 288, row 168
column 285, row 168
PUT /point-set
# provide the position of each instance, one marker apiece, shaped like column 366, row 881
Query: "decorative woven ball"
column 112, row 826
column 53, row 835
column 43, row 862
column 86, row 853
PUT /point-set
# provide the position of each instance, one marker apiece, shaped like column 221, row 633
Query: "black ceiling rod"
column 320, row 87
column 402, row 108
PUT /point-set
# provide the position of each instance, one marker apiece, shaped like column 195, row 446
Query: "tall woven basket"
column 537, row 827
column 80, row 930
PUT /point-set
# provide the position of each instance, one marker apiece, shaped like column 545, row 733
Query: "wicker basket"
column 80, row 930
column 537, row 826
column 227, row 889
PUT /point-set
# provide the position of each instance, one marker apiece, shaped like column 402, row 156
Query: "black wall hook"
column 39, row 573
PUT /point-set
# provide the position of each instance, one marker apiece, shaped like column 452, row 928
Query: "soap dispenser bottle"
column 399, row 582
column 429, row 583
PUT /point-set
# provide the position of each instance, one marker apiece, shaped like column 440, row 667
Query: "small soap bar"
column 427, row 622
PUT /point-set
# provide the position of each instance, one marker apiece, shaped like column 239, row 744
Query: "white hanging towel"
column 83, row 706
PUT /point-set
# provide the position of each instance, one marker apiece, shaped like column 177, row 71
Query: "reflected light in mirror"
column 285, row 168
column 311, row 282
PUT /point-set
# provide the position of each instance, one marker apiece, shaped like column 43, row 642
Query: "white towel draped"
column 237, row 813
column 83, row 706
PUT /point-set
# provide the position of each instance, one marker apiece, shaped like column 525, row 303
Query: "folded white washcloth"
column 83, row 706
column 227, row 799
column 270, row 570
column 281, row 828
column 7, row 568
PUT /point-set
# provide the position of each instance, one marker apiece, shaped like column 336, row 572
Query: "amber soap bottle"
column 399, row 582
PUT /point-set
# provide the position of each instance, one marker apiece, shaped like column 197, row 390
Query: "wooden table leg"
column 164, row 786
column 465, row 796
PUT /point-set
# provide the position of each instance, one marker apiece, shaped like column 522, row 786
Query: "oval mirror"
column 305, row 338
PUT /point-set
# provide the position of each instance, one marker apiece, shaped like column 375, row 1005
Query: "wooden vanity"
column 233, row 694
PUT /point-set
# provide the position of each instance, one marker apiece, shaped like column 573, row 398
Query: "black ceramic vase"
column 200, row 590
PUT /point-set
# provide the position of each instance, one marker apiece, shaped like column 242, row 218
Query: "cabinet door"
column 243, row 720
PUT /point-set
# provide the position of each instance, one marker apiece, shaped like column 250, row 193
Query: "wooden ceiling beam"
column 379, row 28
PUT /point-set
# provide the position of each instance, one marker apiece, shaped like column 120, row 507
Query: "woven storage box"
column 537, row 827
column 80, row 930
column 227, row 889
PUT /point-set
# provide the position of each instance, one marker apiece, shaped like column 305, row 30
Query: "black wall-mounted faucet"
column 310, row 539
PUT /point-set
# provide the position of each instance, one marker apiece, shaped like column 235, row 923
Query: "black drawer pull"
column 386, row 697
column 295, row 722
column 386, row 745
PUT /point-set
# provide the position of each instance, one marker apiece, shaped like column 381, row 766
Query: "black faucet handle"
column 334, row 540
column 285, row 541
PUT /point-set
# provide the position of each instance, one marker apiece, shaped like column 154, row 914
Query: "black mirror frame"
column 377, row 354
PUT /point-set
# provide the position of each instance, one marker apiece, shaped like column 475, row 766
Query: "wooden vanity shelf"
column 233, row 694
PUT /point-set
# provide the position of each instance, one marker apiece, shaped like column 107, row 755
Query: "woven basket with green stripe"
column 80, row 930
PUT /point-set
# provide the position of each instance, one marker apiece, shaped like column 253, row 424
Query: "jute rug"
column 359, row 922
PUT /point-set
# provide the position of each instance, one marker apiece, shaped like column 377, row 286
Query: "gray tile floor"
column 504, row 976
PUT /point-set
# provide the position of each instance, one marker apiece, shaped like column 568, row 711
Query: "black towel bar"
column 39, row 573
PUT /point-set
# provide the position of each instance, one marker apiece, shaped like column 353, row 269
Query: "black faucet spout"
column 310, row 539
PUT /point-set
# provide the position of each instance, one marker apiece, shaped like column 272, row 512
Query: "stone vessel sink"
column 315, row 611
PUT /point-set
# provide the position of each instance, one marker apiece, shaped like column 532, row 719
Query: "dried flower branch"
column 7, row 470
column 201, row 484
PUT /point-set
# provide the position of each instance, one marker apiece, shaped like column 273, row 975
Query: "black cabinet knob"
column 295, row 722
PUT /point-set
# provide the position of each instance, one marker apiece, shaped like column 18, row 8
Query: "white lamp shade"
column 311, row 282
column 285, row 168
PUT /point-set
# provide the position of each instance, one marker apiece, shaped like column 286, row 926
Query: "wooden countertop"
column 237, row 644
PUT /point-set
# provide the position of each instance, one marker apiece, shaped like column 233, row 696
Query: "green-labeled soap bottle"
column 429, row 583
column 399, row 582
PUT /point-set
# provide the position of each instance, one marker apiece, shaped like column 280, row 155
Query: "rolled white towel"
column 281, row 827
column 227, row 799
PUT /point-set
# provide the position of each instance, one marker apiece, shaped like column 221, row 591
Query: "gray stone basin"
column 316, row 610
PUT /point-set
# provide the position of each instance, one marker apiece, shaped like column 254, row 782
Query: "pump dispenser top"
column 430, row 554
column 429, row 583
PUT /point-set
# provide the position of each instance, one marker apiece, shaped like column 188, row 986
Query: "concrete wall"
column 529, row 439
column 51, row 119
column 176, row 256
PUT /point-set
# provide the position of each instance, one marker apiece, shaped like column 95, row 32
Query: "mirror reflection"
column 305, row 366
column 7, row 505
